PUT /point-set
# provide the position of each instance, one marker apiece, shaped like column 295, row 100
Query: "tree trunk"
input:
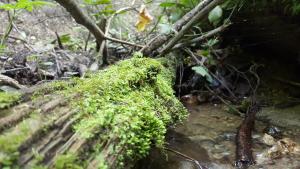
column 110, row 119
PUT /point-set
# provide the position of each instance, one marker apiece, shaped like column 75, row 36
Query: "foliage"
column 16, row 7
column 215, row 15
column 105, row 5
column 67, row 161
column 290, row 6
column 176, row 9
column 24, row 4
column 203, row 71
column 72, row 43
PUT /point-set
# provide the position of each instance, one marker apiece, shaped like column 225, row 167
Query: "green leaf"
column 66, row 38
column 165, row 28
column 210, row 43
column 97, row 2
column 108, row 10
column 6, row 7
column 24, row 4
column 201, row 70
column 167, row 4
column 2, row 47
column 215, row 15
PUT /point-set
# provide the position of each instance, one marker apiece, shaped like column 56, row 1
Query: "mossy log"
column 108, row 120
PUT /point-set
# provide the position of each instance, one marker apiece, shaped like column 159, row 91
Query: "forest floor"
column 32, row 57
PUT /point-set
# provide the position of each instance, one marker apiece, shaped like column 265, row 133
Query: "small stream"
column 208, row 136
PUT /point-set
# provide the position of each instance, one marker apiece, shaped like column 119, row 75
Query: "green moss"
column 53, row 87
column 134, row 101
column 67, row 161
column 130, row 104
column 8, row 99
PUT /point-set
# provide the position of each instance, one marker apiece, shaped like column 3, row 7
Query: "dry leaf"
column 144, row 19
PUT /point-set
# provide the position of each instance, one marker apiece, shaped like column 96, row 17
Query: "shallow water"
column 208, row 136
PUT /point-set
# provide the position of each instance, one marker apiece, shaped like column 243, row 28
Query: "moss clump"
column 67, row 161
column 8, row 99
column 53, row 87
column 130, row 103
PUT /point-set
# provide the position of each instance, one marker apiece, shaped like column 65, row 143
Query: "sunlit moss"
column 134, row 101
column 7, row 99
column 67, row 161
column 50, row 88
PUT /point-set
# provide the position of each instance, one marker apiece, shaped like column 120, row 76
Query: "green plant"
column 17, row 7
column 23, row 4
column 176, row 9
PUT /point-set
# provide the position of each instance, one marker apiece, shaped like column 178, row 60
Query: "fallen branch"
column 5, row 80
column 199, row 166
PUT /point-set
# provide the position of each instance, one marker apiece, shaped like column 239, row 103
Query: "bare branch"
column 82, row 19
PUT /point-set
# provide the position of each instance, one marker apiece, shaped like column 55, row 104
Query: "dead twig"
column 289, row 82
column 194, row 56
column 60, row 45
column 186, row 157
column 87, row 41
column 202, row 37
column 14, row 69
